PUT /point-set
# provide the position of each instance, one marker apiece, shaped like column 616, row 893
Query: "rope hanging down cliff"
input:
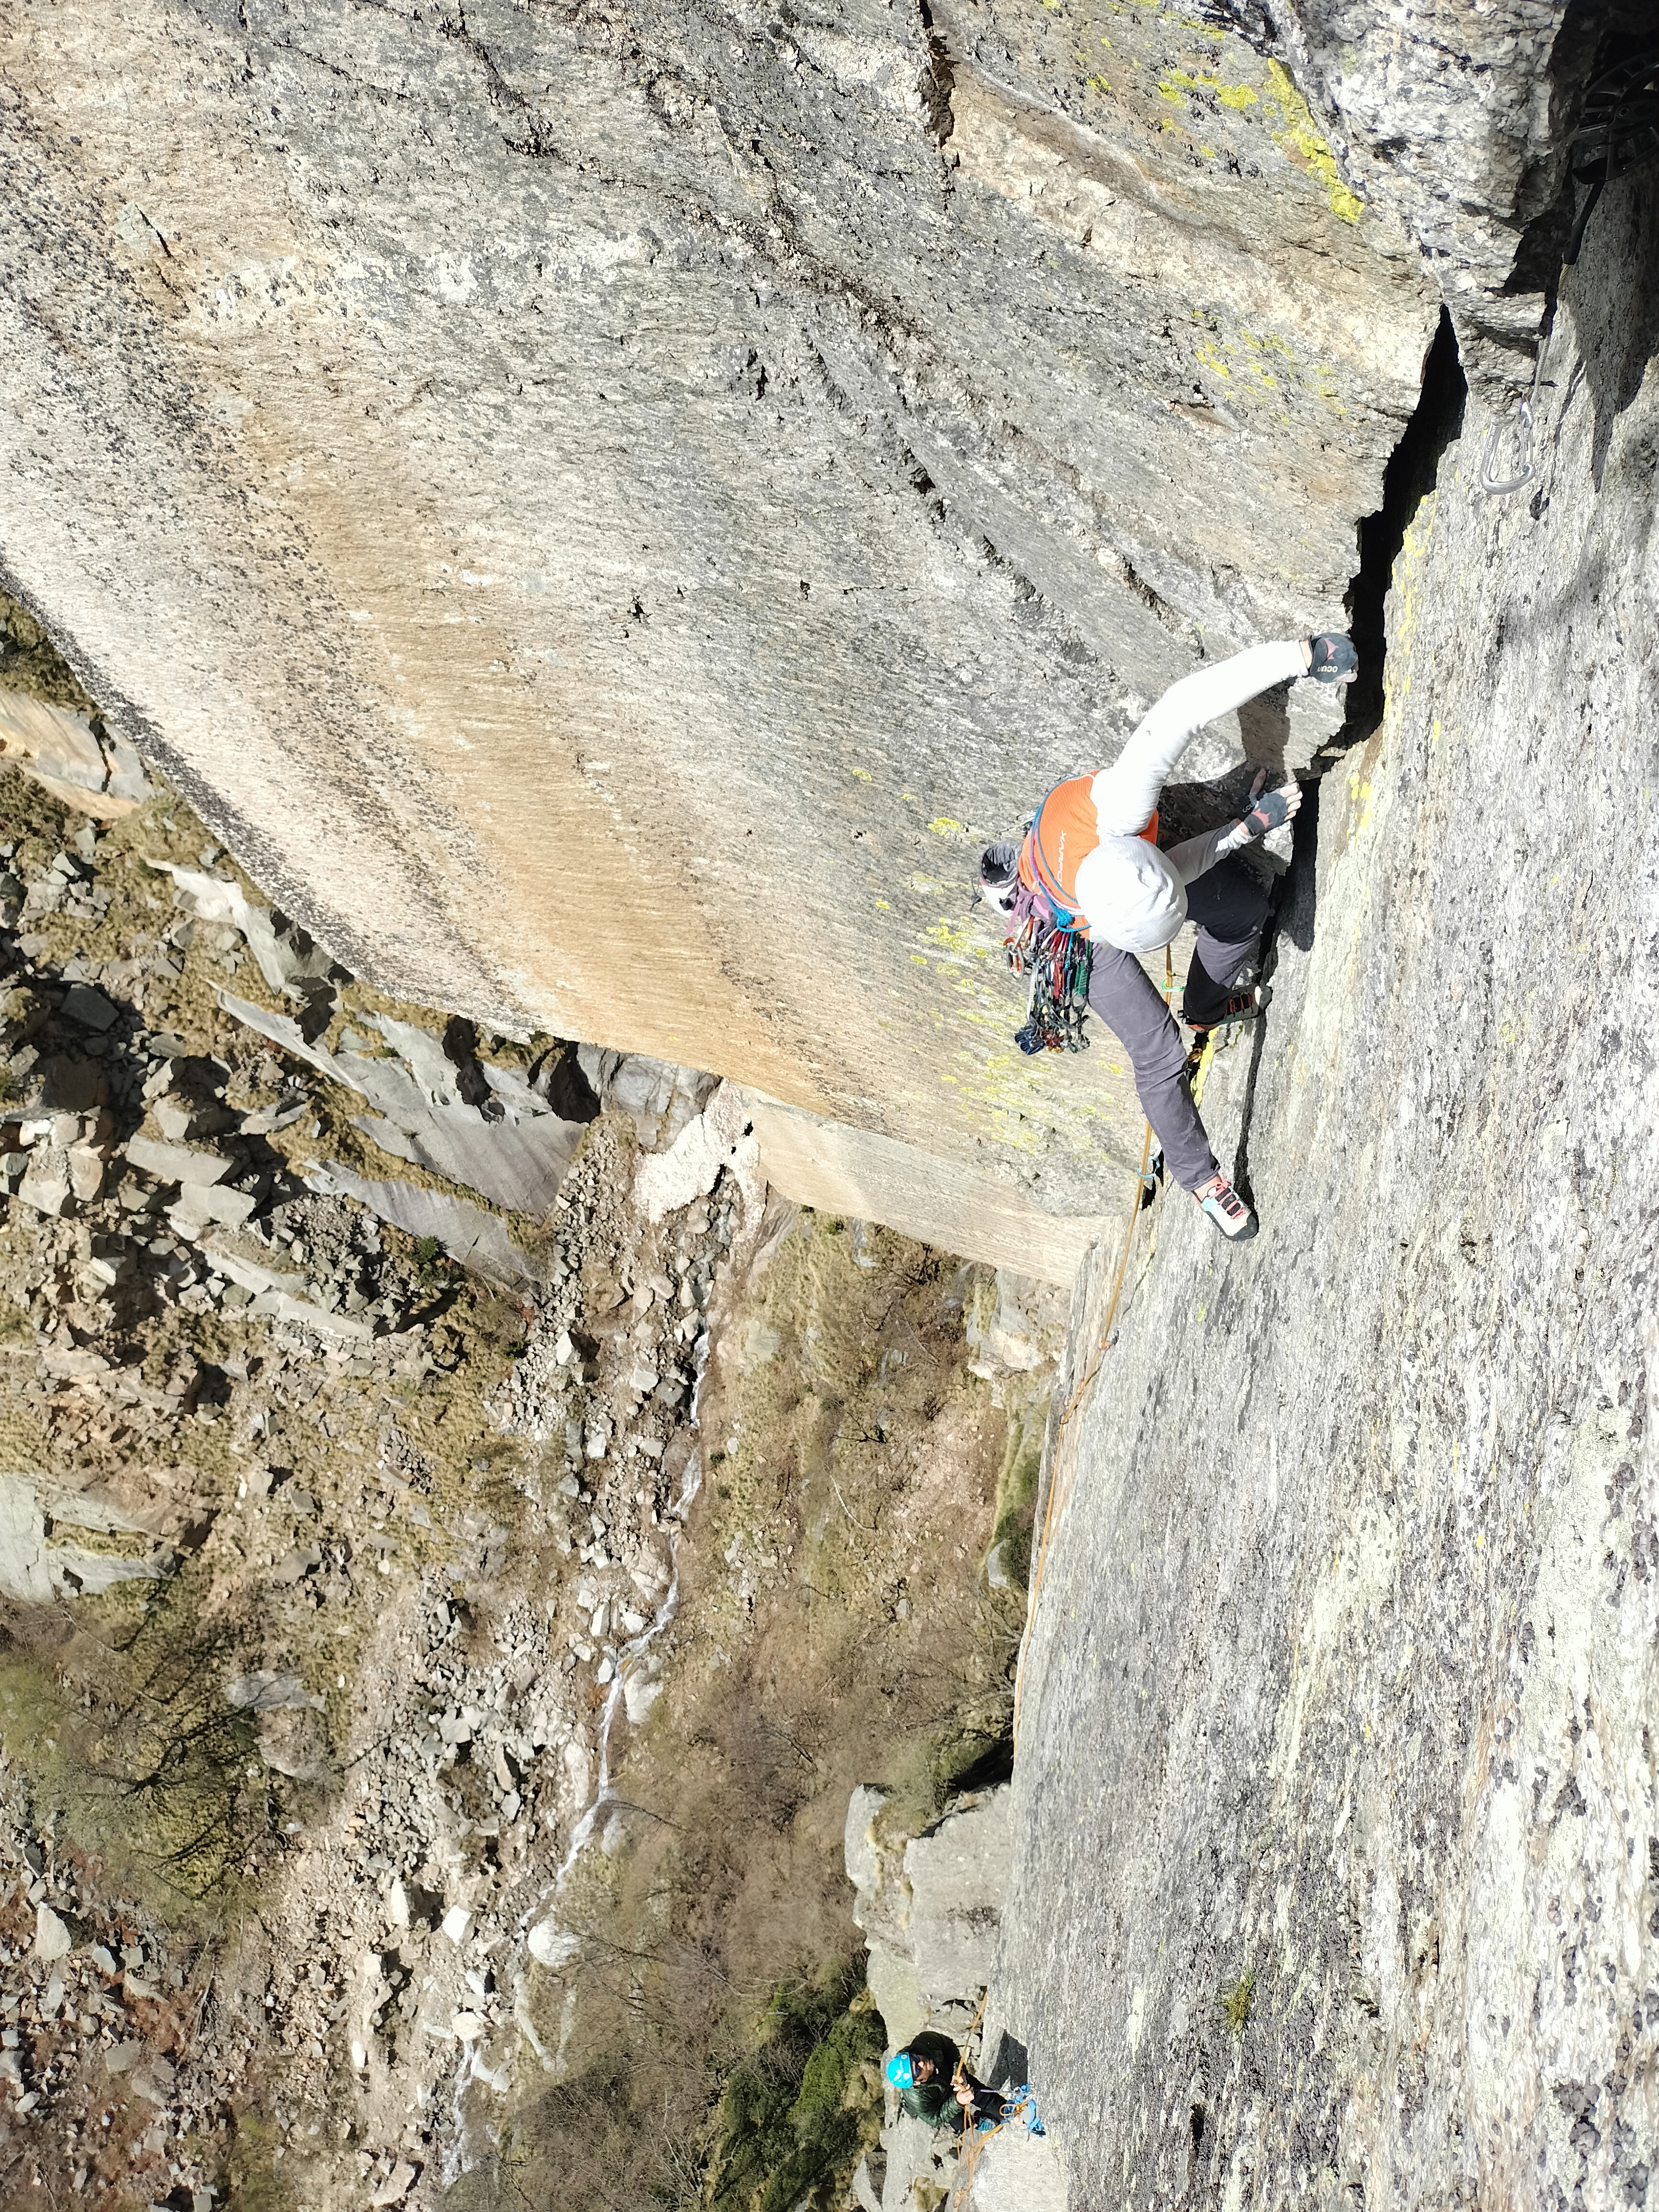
column 1145, row 1189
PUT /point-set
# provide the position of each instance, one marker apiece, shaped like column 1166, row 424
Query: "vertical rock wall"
column 603, row 513
column 1336, row 1807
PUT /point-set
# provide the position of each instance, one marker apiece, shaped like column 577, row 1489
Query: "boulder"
column 89, row 1007
column 957, row 1876
column 77, row 762
column 86, row 1168
column 477, row 1240
column 36, row 1569
column 198, row 1204
column 875, row 1867
column 176, row 1163
column 47, row 1185
column 894, row 1985
column 930, row 1905
column 396, row 2186
column 720, row 1138
column 53, row 1939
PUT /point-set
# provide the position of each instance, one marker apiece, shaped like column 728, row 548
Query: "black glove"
column 1333, row 657
column 1270, row 808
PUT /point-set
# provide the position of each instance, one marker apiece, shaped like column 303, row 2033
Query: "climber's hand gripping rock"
column 1331, row 657
column 1269, row 809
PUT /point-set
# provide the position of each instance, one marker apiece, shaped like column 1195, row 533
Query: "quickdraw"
column 1058, row 962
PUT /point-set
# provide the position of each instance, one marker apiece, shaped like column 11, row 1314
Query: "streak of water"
column 628, row 1660
column 549, row 1943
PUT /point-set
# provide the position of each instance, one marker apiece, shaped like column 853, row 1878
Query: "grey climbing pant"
column 1229, row 905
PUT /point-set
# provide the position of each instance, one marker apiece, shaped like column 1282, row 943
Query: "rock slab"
column 1333, row 1872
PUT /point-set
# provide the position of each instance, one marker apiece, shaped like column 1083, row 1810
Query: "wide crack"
column 1435, row 421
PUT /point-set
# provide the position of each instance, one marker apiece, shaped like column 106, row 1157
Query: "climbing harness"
column 1619, row 129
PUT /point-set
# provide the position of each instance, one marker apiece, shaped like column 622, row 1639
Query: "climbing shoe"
column 1226, row 1209
column 1243, row 1007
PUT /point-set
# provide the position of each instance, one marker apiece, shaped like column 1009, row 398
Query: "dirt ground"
column 429, row 1701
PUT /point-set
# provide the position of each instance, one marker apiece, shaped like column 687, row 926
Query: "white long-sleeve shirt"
column 1127, row 894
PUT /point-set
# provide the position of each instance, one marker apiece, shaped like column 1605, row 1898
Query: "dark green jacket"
column 932, row 2101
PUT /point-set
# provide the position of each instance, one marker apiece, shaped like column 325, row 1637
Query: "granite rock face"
column 603, row 513
column 929, row 1905
column 1336, row 1820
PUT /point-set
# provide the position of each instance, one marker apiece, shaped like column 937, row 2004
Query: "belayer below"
column 1088, row 888
column 935, row 2087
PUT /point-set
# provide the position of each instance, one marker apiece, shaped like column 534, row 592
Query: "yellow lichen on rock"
column 1300, row 136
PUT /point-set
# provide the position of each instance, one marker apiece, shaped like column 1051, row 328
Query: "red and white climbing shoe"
column 1243, row 1007
column 1226, row 1209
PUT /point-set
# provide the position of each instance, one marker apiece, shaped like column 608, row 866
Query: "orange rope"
column 978, row 2140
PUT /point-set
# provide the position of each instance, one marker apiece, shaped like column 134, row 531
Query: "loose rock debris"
column 284, row 1412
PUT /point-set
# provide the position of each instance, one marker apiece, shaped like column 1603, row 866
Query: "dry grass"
column 837, row 1629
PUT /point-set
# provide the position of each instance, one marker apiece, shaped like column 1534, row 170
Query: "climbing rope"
column 1143, row 1182
column 1618, row 129
column 962, row 2189
column 956, row 2078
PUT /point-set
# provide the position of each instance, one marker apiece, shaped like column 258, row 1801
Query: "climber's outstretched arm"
column 1126, row 795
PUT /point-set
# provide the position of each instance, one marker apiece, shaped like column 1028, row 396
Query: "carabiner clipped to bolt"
column 1495, row 486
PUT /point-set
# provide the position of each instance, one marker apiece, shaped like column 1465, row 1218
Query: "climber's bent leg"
column 1130, row 1004
column 1229, row 902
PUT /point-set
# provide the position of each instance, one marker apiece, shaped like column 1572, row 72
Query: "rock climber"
column 1090, row 865
column 934, row 2086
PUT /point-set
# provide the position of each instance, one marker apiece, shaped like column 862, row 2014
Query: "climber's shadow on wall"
column 1614, row 295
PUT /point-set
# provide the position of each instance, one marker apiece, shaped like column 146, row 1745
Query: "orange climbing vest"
column 1062, row 837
